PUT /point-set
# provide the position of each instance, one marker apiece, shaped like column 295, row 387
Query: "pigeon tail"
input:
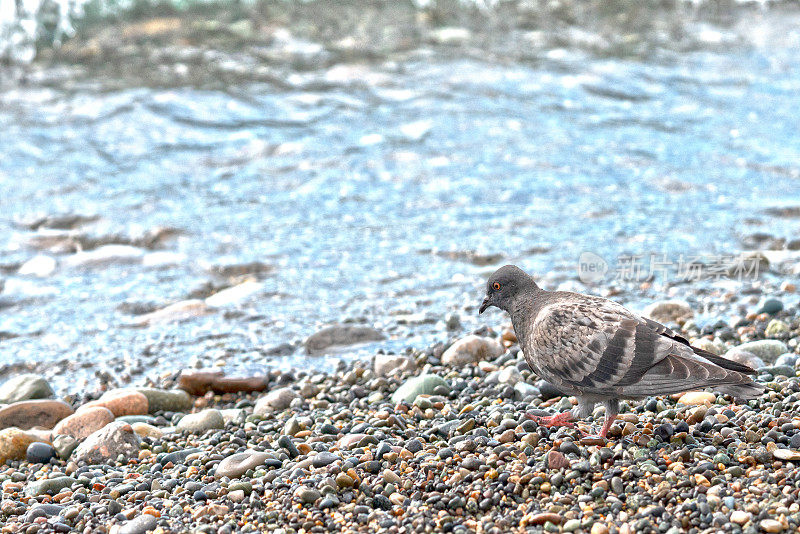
column 743, row 392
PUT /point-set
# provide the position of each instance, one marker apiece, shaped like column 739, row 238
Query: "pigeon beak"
column 484, row 305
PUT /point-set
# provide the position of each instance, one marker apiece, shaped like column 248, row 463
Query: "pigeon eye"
column 496, row 286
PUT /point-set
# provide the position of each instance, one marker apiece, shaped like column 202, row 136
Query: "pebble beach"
column 430, row 440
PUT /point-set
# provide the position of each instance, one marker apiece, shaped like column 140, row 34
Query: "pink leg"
column 560, row 419
column 607, row 424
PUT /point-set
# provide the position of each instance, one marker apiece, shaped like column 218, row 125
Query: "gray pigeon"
column 598, row 351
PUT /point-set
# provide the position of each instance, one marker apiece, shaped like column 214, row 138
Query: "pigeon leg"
column 612, row 409
column 559, row 419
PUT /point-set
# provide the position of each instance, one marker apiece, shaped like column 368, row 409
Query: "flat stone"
column 25, row 387
column 740, row 517
column 166, row 400
column 107, row 444
column 472, row 349
column 105, row 255
column 174, row 313
column 278, row 399
column 697, row 397
column 770, row 525
column 146, row 430
column 307, row 495
column 235, row 295
column 668, row 311
column 201, row 421
column 84, row 422
column 138, row 525
column 388, row 364
column 201, row 382
column 31, row 413
column 237, row 464
column 341, row 335
column 786, row 455
column 48, row 485
column 418, row 385
column 64, row 446
column 122, row 402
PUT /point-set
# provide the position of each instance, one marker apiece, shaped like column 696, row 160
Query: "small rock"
column 324, row 458
column 48, row 485
column 122, row 402
column 599, row 528
column 770, row 306
column 341, row 335
column 776, row 327
column 25, row 387
column 210, row 510
column 787, row 360
column 201, row 421
column 146, row 430
column 39, row 453
column 84, row 422
column 138, row 525
column 166, row 400
column 668, row 311
column 108, row 443
column 472, row 349
column 697, row 397
column 202, row 381
column 770, row 525
column 278, row 399
column 307, row 495
column 237, row 464
column 556, row 460
column 387, row 364
column 31, row 413
column 177, row 312
column 523, row 390
column 14, row 444
column 64, row 446
column 786, row 455
column 509, row 375
column 418, row 385
column 740, row 517
column 707, row 345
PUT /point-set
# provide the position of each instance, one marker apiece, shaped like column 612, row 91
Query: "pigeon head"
column 504, row 286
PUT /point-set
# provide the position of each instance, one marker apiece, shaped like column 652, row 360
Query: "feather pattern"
column 595, row 348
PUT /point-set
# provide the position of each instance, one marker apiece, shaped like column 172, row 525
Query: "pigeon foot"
column 560, row 419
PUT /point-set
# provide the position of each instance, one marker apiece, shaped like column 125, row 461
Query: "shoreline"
column 433, row 440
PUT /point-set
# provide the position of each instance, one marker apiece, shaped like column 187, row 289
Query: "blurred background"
column 194, row 184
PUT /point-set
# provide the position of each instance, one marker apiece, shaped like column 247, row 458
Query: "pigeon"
column 598, row 351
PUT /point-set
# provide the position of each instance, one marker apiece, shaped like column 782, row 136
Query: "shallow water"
column 357, row 182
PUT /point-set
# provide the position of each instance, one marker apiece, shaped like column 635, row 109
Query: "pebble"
column 668, row 311
column 138, row 525
column 201, row 421
column 25, row 387
column 389, row 364
column 697, row 397
column 122, row 402
column 278, row 399
column 107, row 444
column 14, row 444
column 341, row 335
column 472, row 349
column 740, row 517
column 770, row 525
column 30, row 413
column 164, row 400
column 39, row 452
column 416, row 386
column 84, row 422
column 237, row 464
column 307, row 495
column 49, row 485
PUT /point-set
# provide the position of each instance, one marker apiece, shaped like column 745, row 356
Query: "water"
column 381, row 192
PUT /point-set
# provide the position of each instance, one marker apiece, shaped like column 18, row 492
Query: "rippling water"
column 383, row 192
